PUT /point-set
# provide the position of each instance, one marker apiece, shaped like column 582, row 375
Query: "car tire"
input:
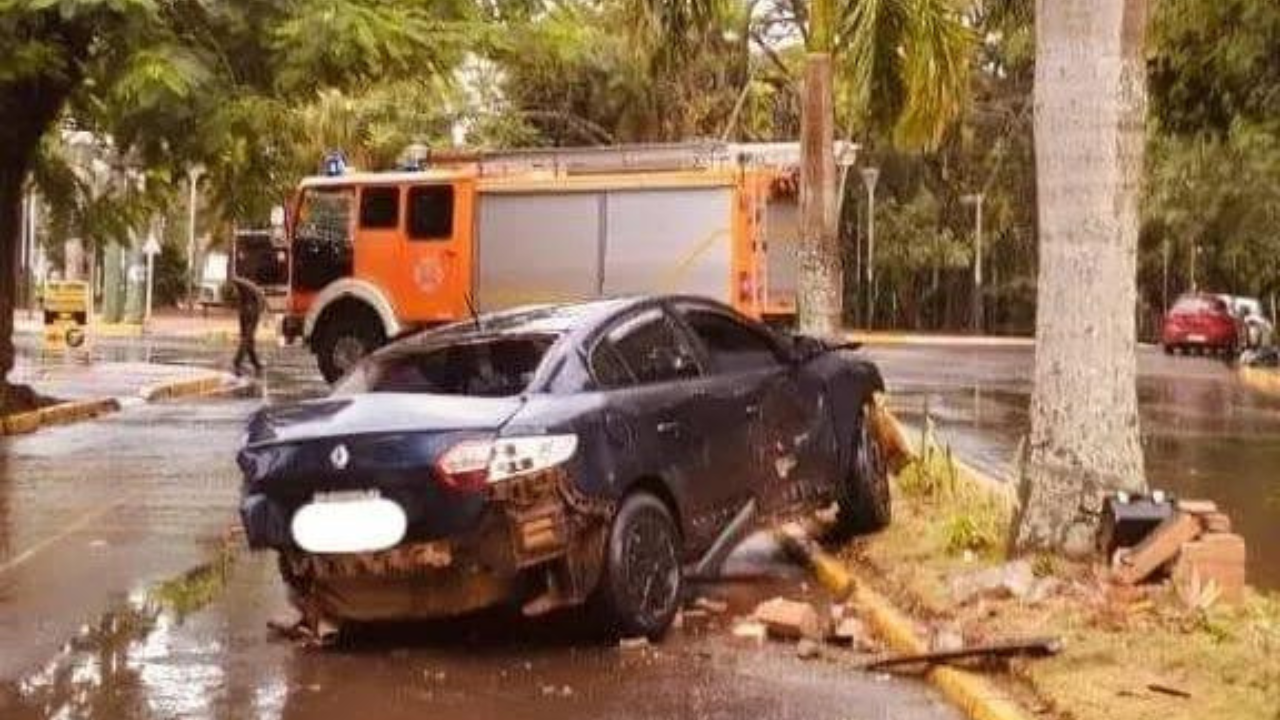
column 340, row 343
column 1168, row 349
column 865, row 503
column 642, row 580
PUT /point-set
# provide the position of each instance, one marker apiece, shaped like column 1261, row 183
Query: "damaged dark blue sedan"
column 557, row 456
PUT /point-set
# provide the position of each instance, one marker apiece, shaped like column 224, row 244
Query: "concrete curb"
column 892, row 338
column 80, row 410
column 1005, row 491
column 60, row 414
column 1263, row 380
column 186, row 387
column 969, row 691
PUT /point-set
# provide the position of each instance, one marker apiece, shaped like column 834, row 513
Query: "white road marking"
column 79, row 524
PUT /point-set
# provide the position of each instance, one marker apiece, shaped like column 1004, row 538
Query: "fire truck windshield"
column 322, row 241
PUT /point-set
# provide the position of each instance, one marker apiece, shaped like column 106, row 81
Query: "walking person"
column 252, row 303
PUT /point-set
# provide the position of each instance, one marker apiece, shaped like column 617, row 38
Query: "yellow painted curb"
column 60, row 414
column 1005, row 491
column 186, row 387
column 969, row 691
column 1261, row 379
column 22, row 423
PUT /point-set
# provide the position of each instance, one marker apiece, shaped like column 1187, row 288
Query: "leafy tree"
column 184, row 81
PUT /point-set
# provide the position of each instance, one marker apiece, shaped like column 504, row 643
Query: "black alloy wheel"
column 640, row 588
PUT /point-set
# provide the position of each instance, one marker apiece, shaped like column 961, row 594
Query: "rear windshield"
column 1192, row 305
column 495, row 367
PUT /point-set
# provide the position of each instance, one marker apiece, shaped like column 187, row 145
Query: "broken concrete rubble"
column 808, row 649
column 1014, row 579
column 633, row 644
column 850, row 631
column 790, row 619
column 715, row 607
column 751, row 631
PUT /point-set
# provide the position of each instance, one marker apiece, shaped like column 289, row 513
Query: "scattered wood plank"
column 1032, row 647
column 1168, row 690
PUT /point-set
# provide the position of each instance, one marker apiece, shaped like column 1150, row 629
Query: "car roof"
column 545, row 319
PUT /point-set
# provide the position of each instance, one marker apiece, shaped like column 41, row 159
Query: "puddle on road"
column 107, row 671
column 1204, row 435
column 197, row 647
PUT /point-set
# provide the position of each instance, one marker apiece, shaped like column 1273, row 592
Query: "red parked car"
column 1199, row 322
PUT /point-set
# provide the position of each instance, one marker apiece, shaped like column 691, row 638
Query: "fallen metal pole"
column 1034, row 647
column 732, row 535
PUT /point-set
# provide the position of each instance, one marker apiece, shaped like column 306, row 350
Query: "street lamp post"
column 870, row 176
column 976, row 200
column 193, row 178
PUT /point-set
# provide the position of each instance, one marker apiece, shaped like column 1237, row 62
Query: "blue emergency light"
column 335, row 163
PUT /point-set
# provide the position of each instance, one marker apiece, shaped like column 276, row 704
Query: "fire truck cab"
column 374, row 255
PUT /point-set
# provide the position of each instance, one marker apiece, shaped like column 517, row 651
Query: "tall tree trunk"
column 1090, row 109
column 30, row 105
column 820, row 293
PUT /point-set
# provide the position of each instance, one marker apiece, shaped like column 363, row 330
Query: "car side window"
column 733, row 346
column 653, row 349
column 607, row 368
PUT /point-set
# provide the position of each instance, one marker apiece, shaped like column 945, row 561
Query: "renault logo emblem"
column 340, row 457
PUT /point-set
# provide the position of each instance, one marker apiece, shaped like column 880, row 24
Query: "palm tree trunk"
column 1090, row 110
column 820, row 293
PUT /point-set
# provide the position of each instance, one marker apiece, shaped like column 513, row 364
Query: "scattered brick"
column 790, row 619
column 1218, row 558
column 1159, row 548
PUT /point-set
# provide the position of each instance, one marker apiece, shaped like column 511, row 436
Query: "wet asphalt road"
column 1204, row 434
column 95, row 517
column 109, row 608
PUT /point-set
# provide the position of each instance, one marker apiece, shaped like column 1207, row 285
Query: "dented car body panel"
column 677, row 396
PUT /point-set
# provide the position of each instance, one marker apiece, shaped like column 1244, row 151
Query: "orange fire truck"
column 376, row 254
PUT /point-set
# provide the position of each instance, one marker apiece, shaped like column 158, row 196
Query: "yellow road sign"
column 66, row 314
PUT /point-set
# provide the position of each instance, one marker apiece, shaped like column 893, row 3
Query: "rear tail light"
column 522, row 455
column 472, row 464
column 465, row 466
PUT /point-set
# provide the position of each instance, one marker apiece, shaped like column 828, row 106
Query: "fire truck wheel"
column 340, row 343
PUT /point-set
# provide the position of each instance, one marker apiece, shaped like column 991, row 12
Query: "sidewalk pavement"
column 217, row 325
column 126, row 382
column 892, row 337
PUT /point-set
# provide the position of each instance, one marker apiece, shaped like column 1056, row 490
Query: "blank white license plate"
column 1196, row 338
column 348, row 522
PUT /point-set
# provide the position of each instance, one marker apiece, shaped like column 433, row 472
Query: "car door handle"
column 669, row 427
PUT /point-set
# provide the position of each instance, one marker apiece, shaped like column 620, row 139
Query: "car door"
column 739, row 364
column 652, row 376
column 779, row 449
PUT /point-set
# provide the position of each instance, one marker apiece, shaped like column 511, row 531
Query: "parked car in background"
column 556, row 456
column 1200, row 323
column 1254, row 328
